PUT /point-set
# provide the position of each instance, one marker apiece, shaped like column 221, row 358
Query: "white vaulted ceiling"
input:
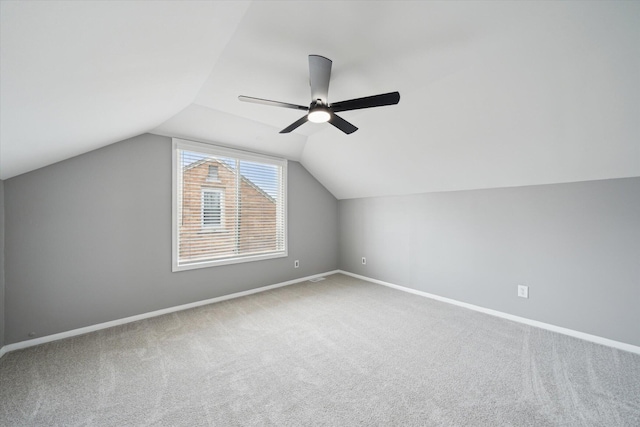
column 493, row 94
column 77, row 75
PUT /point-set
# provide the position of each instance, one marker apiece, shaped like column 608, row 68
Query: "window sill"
column 212, row 230
column 226, row 261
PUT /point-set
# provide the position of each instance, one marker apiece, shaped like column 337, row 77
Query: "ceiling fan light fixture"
column 319, row 115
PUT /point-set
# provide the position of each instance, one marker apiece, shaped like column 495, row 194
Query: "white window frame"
column 215, row 150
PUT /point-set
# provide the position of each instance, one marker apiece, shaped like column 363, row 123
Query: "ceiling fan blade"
column 295, row 124
column 367, row 102
column 271, row 103
column 319, row 75
column 342, row 124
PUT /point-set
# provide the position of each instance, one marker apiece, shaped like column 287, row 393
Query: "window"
column 213, row 173
column 211, row 208
column 229, row 206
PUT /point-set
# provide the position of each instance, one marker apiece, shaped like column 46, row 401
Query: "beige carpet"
column 338, row 352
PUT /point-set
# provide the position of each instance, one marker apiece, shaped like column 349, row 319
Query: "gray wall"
column 88, row 240
column 1, row 263
column 577, row 247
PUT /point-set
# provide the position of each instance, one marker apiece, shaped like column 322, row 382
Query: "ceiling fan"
column 320, row 110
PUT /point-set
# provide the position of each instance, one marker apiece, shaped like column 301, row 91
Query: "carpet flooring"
column 340, row 352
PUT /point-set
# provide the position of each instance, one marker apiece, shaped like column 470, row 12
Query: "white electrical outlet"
column 364, row 261
column 523, row 291
column 296, row 264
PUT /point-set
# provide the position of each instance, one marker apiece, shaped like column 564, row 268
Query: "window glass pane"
column 258, row 207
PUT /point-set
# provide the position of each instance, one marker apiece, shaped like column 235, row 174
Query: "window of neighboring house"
column 211, row 208
column 212, row 176
column 242, row 218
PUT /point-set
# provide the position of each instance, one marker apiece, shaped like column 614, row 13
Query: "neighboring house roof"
column 197, row 163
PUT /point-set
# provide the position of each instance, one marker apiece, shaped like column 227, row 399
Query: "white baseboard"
column 576, row 334
column 81, row 331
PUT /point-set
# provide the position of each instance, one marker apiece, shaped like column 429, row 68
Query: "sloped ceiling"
column 78, row 75
column 493, row 94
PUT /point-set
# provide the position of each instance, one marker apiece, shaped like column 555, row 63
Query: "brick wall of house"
column 255, row 226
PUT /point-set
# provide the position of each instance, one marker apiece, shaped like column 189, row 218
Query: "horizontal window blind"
column 238, row 216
